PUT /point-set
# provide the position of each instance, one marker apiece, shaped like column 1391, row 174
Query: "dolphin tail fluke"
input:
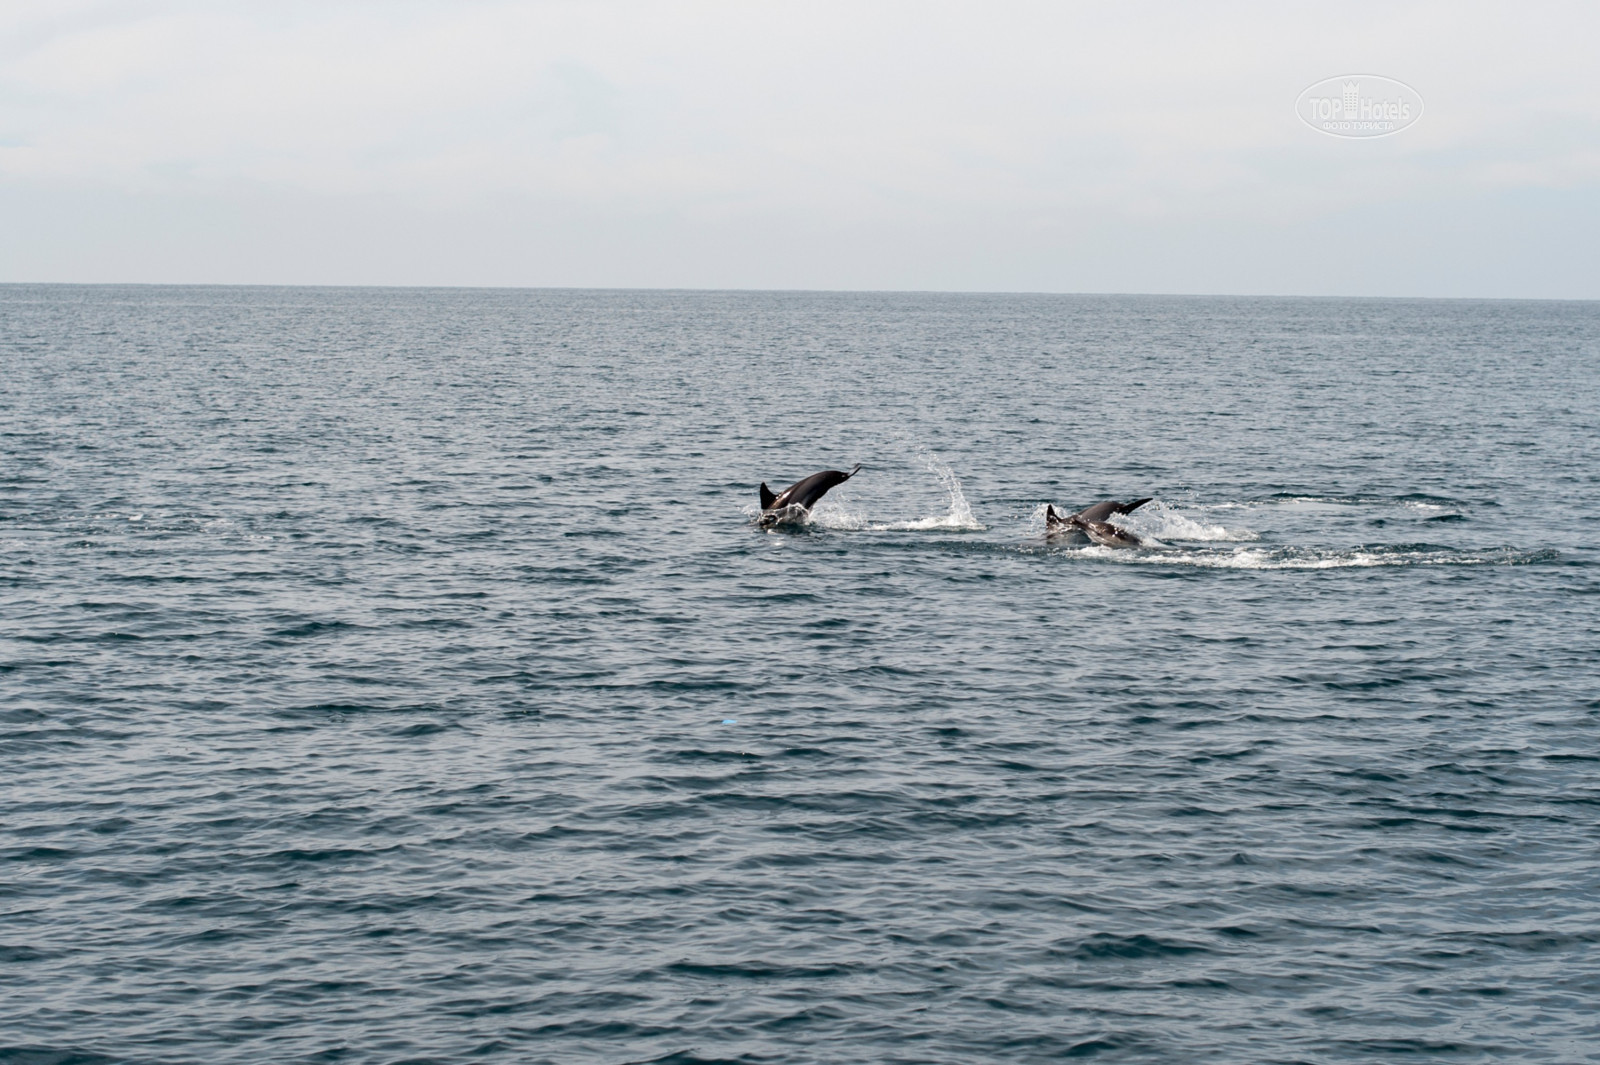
column 1051, row 518
column 854, row 470
column 767, row 498
column 1135, row 505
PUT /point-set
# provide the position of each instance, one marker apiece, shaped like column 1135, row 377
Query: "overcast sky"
column 1095, row 147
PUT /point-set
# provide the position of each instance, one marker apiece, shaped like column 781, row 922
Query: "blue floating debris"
column 729, row 721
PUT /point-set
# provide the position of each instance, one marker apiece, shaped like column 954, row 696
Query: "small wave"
column 1104, row 945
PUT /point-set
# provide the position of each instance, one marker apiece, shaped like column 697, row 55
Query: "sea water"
column 401, row 676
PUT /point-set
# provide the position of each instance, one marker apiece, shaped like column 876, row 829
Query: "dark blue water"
column 399, row 676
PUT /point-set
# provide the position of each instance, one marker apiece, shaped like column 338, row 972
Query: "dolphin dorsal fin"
column 1134, row 505
column 767, row 498
column 1050, row 515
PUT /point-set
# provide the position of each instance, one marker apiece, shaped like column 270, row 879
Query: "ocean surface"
column 400, row 676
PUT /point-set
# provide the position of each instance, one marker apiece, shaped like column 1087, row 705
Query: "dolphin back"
column 1102, row 511
column 1091, row 522
column 1106, row 534
column 805, row 492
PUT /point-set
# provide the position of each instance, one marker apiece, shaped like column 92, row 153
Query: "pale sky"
column 1057, row 147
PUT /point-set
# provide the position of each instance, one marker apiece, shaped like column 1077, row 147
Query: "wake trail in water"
column 1297, row 558
column 1173, row 538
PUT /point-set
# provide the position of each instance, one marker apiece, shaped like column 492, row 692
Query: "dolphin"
column 796, row 501
column 1091, row 522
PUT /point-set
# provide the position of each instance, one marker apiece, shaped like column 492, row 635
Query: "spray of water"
column 1158, row 521
column 958, row 516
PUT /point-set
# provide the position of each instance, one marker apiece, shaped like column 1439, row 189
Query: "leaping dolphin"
column 1091, row 522
column 796, row 501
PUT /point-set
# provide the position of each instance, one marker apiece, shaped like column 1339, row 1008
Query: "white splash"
column 833, row 513
column 1156, row 520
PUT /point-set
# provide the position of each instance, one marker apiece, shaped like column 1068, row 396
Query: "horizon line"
column 779, row 291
